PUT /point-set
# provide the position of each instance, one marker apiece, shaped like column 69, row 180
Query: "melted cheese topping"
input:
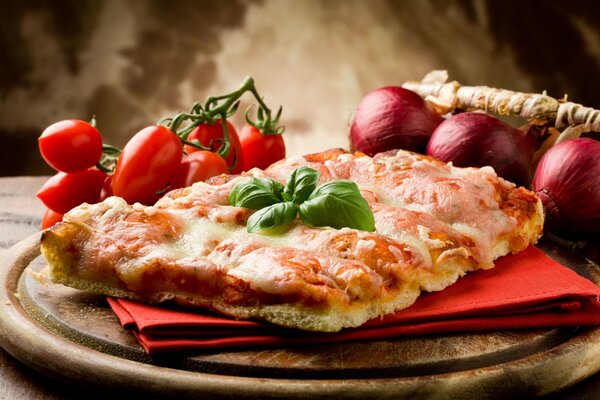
column 433, row 223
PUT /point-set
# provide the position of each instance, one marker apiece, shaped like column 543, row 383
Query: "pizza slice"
column 433, row 223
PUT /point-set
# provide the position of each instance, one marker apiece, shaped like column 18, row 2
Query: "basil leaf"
column 272, row 216
column 256, row 193
column 338, row 204
column 301, row 183
column 286, row 197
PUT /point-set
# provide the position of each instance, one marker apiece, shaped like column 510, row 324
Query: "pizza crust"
column 192, row 247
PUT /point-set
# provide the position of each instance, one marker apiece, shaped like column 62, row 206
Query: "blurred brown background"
column 133, row 62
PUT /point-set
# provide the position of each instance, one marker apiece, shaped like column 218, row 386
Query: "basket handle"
column 538, row 109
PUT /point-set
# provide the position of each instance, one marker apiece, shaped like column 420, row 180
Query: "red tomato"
column 64, row 191
column 260, row 150
column 205, row 133
column 198, row 166
column 106, row 190
column 51, row 218
column 146, row 165
column 71, row 145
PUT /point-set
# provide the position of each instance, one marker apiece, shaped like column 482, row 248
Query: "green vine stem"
column 108, row 161
column 215, row 108
column 220, row 108
column 265, row 124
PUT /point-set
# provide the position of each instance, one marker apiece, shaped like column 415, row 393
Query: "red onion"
column 567, row 180
column 478, row 140
column 392, row 118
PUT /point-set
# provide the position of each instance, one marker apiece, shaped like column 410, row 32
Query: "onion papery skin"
column 477, row 140
column 391, row 118
column 567, row 180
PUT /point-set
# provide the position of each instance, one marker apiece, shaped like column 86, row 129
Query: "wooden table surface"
column 20, row 216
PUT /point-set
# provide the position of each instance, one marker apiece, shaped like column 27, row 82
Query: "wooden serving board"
column 74, row 336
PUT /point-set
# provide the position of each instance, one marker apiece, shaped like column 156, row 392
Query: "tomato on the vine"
column 71, row 145
column 260, row 150
column 198, row 166
column 146, row 165
column 106, row 190
column 64, row 191
column 212, row 136
column 51, row 218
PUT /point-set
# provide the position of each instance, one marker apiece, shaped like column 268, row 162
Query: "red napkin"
column 527, row 290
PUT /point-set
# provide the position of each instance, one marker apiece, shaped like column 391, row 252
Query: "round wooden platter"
column 75, row 337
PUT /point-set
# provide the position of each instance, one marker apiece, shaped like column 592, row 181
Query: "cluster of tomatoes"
column 155, row 160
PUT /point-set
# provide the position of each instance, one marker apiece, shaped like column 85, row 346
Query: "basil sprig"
column 337, row 204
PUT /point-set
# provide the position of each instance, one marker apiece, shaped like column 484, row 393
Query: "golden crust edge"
column 329, row 318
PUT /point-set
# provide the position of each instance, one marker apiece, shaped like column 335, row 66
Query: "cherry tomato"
column 71, row 145
column 51, row 218
column 64, row 191
column 205, row 133
column 106, row 190
column 260, row 150
column 146, row 165
column 198, row 166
